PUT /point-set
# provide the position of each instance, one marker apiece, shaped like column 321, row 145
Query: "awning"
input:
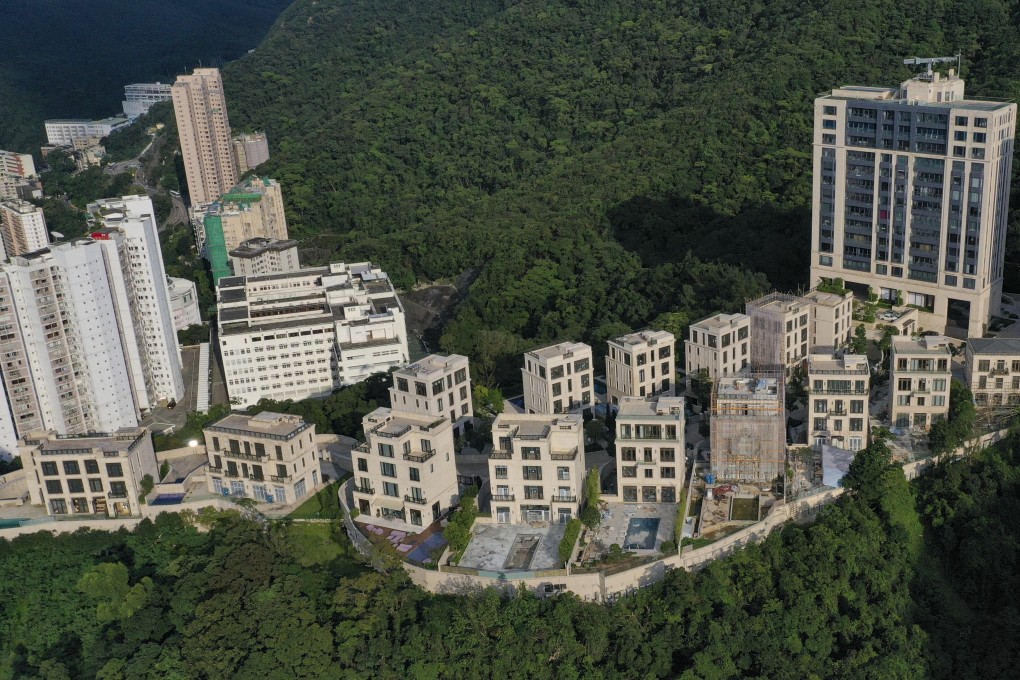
column 388, row 502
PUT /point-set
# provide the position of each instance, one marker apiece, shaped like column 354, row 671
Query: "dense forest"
column 589, row 165
column 72, row 59
column 925, row 585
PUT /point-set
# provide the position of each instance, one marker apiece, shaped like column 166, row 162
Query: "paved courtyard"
column 616, row 521
column 514, row 547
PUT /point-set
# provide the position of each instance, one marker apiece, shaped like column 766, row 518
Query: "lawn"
column 313, row 544
column 323, row 505
column 744, row 509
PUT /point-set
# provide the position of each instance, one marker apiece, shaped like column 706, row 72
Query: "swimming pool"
column 422, row 552
column 11, row 523
column 641, row 533
column 168, row 499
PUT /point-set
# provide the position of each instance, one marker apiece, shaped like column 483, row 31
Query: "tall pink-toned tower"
column 204, row 129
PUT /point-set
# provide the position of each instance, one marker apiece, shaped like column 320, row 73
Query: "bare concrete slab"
column 514, row 547
column 616, row 520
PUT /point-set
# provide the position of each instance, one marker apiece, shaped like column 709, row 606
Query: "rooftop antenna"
column 928, row 61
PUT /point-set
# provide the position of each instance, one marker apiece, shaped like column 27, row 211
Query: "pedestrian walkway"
column 202, row 381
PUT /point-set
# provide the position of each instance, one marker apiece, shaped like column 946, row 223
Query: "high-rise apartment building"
column 253, row 209
column 304, row 333
column 271, row 457
column 718, row 345
column 139, row 97
column 650, row 440
column 258, row 256
column 251, row 151
column 15, row 168
column 919, row 382
column 22, row 228
column 536, row 468
column 641, row 364
column 911, row 195
column 558, row 379
column 438, row 386
column 837, row 388
column 405, row 471
column 204, row 129
column 126, row 228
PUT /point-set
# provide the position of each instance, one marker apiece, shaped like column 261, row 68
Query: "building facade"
column 253, row 209
column 650, row 441
column 22, row 227
column 437, row 386
column 832, row 318
column 15, row 169
column 780, row 331
column 748, row 433
column 920, row 381
column 200, row 107
column 536, row 468
column 878, row 148
column 992, row 371
column 257, row 256
column 88, row 474
column 138, row 97
column 718, row 345
column 558, row 379
column 838, row 392
column 64, row 132
column 271, row 457
column 183, row 303
column 303, row 334
column 641, row 364
column 251, row 151
column 405, row 471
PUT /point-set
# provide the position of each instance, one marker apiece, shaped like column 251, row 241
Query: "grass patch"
column 313, row 543
column 744, row 509
column 323, row 505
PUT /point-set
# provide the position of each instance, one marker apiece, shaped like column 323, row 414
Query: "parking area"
column 638, row 527
column 514, row 547
column 162, row 418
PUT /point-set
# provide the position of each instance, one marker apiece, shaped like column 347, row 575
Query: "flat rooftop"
column 649, row 407
column 558, row 350
column 393, row 422
column 646, row 337
column 120, row 441
column 720, row 321
column 280, row 425
column 432, row 364
column 748, row 388
column 929, row 344
column 534, row 424
column 828, row 299
column 851, row 364
column 994, row 345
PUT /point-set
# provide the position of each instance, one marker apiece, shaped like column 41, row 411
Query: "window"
column 91, row 467
column 856, row 424
column 362, row 465
column 53, row 486
column 667, row 472
column 388, row 469
column 856, row 406
column 532, row 473
column 118, row 489
column 75, row 486
column 501, row 472
column 420, row 390
column 962, row 121
column 80, row 505
column 58, row 506
column 49, row 468
column 114, row 470
column 71, row 467
column 415, row 474
column 391, row 489
column 828, row 123
column 981, row 122
column 531, row 453
column 829, row 110
column 563, row 473
column 96, row 485
column 402, row 384
column 533, row 493
column 386, row 450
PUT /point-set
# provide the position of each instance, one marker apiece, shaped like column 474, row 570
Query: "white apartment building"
column 992, row 371
column 718, row 345
column 832, row 318
column 650, row 440
column 250, row 151
column 14, row 169
column 258, row 256
column 536, row 468
column 63, row 361
column 838, row 389
column 8, row 431
column 183, row 303
column 88, row 474
column 304, row 333
column 22, row 228
column 437, row 386
column 128, row 233
column 271, row 457
column 911, row 196
column 641, row 364
column 138, row 97
column 558, row 379
column 405, row 471
column 920, row 380
column 780, row 330
column 63, row 132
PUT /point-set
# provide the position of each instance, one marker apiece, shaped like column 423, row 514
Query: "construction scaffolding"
column 773, row 319
column 748, row 426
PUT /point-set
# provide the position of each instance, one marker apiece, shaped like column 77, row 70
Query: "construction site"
column 748, row 427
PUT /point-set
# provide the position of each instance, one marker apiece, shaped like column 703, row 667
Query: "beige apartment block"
column 650, row 441
column 641, row 364
column 536, row 468
column 405, row 471
column 16, row 169
column 438, row 386
column 271, row 457
column 250, row 210
column 200, row 107
column 718, row 345
column 911, row 196
column 837, row 388
column 748, row 428
column 992, row 371
column 258, row 256
column 832, row 320
column 251, row 151
column 780, row 331
column 558, row 379
column 22, row 228
column 920, row 380
column 88, row 474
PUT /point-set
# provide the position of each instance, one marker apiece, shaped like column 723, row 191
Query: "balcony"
column 419, row 456
column 365, row 489
column 362, row 448
column 416, row 499
column 564, row 455
column 264, row 458
column 563, row 499
column 117, row 494
column 840, row 413
column 503, row 497
column 277, row 478
column 999, row 371
column 498, row 454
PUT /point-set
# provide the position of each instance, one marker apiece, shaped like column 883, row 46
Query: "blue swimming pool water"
column 168, row 499
column 641, row 533
column 10, row 523
column 421, row 553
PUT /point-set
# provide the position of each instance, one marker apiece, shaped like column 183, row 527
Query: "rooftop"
column 388, row 422
column 650, row 407
column 121, row 441
column 559, row 350
column 533, row 425
column 645, row 337
column 853, row 364
column 720, row 321
column 257, row 246
column 276, row 425
column 432, row 364
column 828, row 299
column 994, row 345
column 928, row 344
column 783, row 301
column 748, row 388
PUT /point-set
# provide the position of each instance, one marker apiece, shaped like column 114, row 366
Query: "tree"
column 859, row 343
column 117, row 599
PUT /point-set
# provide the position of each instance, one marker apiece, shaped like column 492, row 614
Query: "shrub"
column 569, row 539
column 458, row 531
column 668, row 548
